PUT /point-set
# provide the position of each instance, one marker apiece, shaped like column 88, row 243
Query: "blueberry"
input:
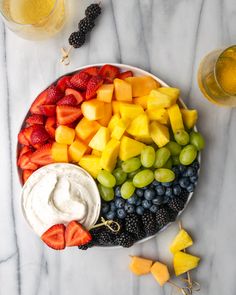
column 105, row 208
column 194, row 179
column 146, row 204
column 175, row 182
column 129, row 208
column 117, row 192
column 138, row 202
column 190, row 188
column 160, row 190
column 133, row 199
column 184, row 182
column 190, row 171
column 121, row 213
column 169, row 192
column 112, row 206
column 139, row 192
column 151, row 186
column 167, row 184
column 195, row 165
column 154, row 208
column 166, row 199
column 158, row 200
column 176, row 170
column 155, row 183
column 144, row 188
column 177, row 190
column 111, row 215
column 149, row 194
column 119, row 203
column 182, row 168
column 140, row 210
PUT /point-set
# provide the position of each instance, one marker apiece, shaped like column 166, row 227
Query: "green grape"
column 164, row 175
column 127, row 189
column 106, row 193
column 174, row 148
column 120, row 176
column 168, row 164
column 106, row 178
column 175, row 160
column 188, row 154
column 131, row 165
column 132, row 174
column 162, row 156
column 181, row 137
column 197, row 140
column 143, row 178
column 148, row 156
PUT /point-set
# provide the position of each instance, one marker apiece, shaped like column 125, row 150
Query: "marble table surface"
column 167, row 38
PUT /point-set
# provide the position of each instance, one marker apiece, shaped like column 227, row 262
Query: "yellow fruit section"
column 123, row 90
column 189, row 117
column 139, row 127
column 115, row 107
column 100, row 139
column 158, row 100
column 175, row 116
column 93, row 109
column 114, row 121
column 181, row 241
column 105, row 93
column 160, row 272
column 104, row 121
column 160, row 115
column 64, row 135
column 142, row 85
column 60, row 152
column 76, row 150
column 96, row 153
column 184, row 262
column 140, row 266
column 86, row 128
column 141, row 100
column 110, row 155
column 130, row 111
column 119, row 129
column 91, row 164
column 171, row 92
column 129, row 148
column 159, row 133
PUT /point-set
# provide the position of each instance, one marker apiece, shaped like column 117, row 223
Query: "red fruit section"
column 76, row 235
column 54, row 237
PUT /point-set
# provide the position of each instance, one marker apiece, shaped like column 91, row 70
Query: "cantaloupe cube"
column 113, row 122
column 160, row 115
column 119, row 129
column 181, row 241
column 105, row 93
column 123, row 90
column 91, row 164
column 142, row 85
column 110, row 155
column 159, row 133
column 115, row 107
column 170, row 91
column 64, row 134
column 86, row 129
column 140, row 266
column 93, row 109
column 60, row 152
column 141, row 100
column 176, row 120
column 160, row 272
column 189, row 117
column 130, row 148
column 158, row 100
column 76, row 150
column 139, row 127
column 130, row 111
column 104, row 121
column 96, row 153
column 184, row 262
column 100, row 139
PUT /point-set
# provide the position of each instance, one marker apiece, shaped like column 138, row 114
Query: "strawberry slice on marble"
column 76, row 235
column 54, row 237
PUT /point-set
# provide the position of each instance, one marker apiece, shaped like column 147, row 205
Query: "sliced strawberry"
column 22, row 139
column 39, row 135
column 109, row 73
column 24, row 150
column 28, row 131
column 35, row 119
column 40, row 100
column 24, row 162
column 79, row 97
column 80, row 80
column 54, row 237
column 76, row 235
column 64, row 82
column 67, row 114
column 26, row 174
column 93, row 71
column 68, row 100
column 48, row 110
column 94, row 83
column 125, row 75
column 54, row 94
column 43, row 155
column 50, row 126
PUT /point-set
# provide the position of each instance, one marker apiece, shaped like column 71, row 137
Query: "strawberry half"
column 48, row 110
column 24, row 161
column 93, row 85
column 35, row 119
column 50, row 126
column 24, row 150
column 22, row 139
column 54, row 237
column 64, row 82
column 125, row 75
column 93, row 71
column 80, row 80
column 79, row 97
column 39, row 135
column 54, row 94
column 43, row 155
column 40, row 100
column 76, row 235
column 67, row 114
column 109, row 73
column 26, row 174
column 68, row 100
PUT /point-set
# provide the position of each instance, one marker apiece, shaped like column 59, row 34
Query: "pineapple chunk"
column 141, row 100
column 140, row 266
column 159, row 133
column 64, row 134
column 119, row 129
column 181, row 241
column 96, row 153
column 115, row 107
column 130, row 148
column 172, row 92
column 105, row 93
column 100, row 139
column 60, row 152
column 160, row 272
column 184, row 262
column 93, row 109
column 104, row 121
column 110, row 154
column 114, row 121
column 76, row 150
column 145, row 139
column 123, row 90
column 189, row 117
column 139, row 126
column 160, row 115
column 142, row 85
column 130, row 111
column 85, row 129
column 176, row 120
column 158, row 100
column 91, row 164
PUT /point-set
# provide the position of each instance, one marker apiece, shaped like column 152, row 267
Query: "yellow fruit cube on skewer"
column 140, row 266
column 181, row 241
column 160, row 272
column 184, row 262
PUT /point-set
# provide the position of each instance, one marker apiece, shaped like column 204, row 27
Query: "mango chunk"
column 119, row 129
column 104, row 121
column 93, row 109
column 76, row 150
column 130, row 148
column 142, row 85
column 139, row 127
column 160, row 115
column 181, row 241
column 91, row 164
column 64, row 134
column 184, row 262
column 105, row 93
column 140, row 266
column 123, row 90
column 189, row 117
column 175, row 116
column 113, row 122
column 160, row 272
column 85, row 129
column 100, row 139
column 159, row 133
column 60, row 152
column 110, row 155
column 141, row 100
column 158, row 100
column 115, row 107
column 130, row 111
column 170, row 91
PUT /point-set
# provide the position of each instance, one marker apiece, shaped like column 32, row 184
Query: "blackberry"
column 184, row 195
column 141, row 235
column 162, row 217
column 176, row 204
column 125, row 239
column 113, row 226
column 105, row 238
column 93, row 11
column 133, row 223
column 86, row 246
column 172, row 215
column 86, row 25
column 149, row 223
column 77, row 39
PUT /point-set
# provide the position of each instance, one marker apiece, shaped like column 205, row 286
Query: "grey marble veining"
column 168, row 38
